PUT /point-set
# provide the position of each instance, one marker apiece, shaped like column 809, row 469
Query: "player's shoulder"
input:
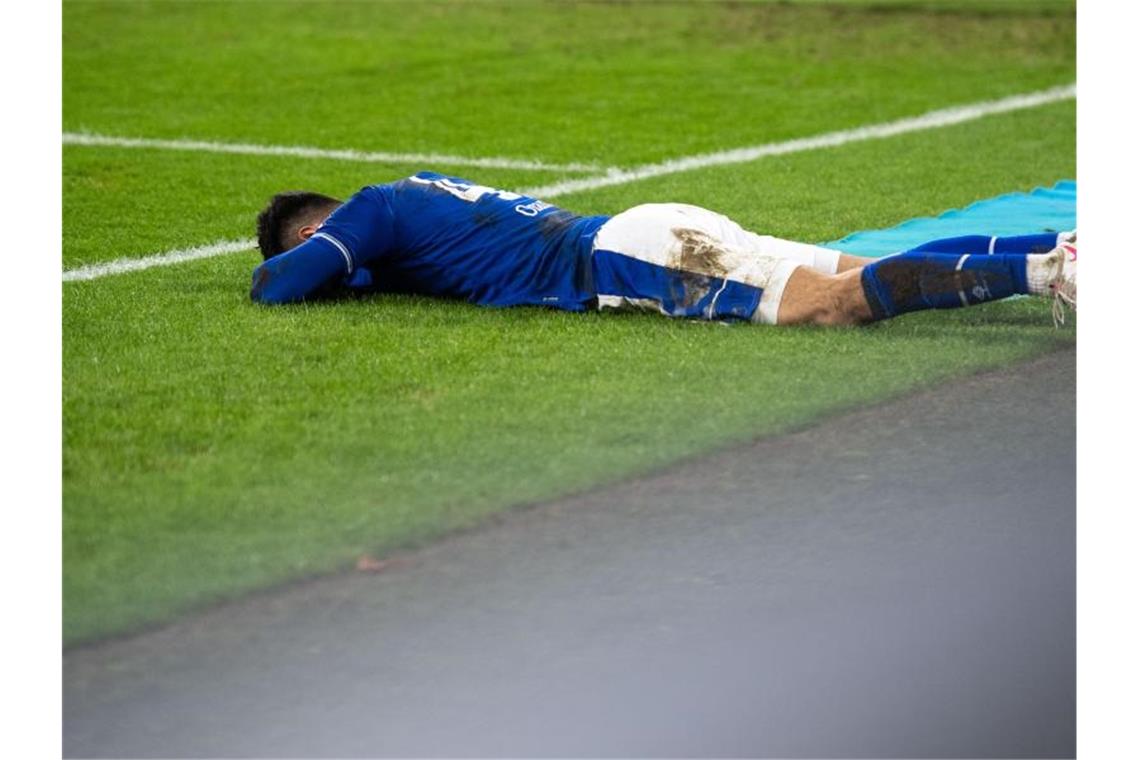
column 422, row 180
column 429, row 180
column 380, row 195
column 364, row 207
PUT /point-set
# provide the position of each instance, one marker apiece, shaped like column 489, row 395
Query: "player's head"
column 290, row 219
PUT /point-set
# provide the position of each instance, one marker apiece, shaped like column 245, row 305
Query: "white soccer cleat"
column 1063, row 284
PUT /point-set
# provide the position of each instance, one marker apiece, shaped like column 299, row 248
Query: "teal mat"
column 1050, row 209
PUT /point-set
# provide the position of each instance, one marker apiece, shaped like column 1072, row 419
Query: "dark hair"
column 283, row 212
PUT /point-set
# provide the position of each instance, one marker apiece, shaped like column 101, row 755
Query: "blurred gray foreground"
column 896, row 582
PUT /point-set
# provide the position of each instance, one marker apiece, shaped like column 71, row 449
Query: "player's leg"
column 983, row 244
column 829, row 261
column 977, row 245
column 920, row 280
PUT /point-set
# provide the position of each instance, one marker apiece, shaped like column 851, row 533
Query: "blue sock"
column 917, row 280
column 1040, row 243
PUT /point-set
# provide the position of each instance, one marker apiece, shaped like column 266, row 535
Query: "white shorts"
column 687, row 261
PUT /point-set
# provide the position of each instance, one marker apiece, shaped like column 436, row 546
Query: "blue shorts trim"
column 677, row 293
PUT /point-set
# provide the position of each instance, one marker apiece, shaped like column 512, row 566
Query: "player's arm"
column 301, row 272
column 357, row 233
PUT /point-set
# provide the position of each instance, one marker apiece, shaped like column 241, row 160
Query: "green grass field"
column 212, row 447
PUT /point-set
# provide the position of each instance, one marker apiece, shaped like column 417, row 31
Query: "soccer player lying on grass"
column 445, row 236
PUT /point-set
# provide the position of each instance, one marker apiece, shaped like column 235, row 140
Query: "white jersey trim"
column 340, row 247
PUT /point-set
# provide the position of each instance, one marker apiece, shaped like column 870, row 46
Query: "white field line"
column 931, row 120
column 299, row 151
column 118, row 266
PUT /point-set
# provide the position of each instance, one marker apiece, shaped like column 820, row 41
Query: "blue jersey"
column 443, row 236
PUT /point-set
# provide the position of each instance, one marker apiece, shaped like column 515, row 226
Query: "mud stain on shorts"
column 700, row 261
column 700, row 253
